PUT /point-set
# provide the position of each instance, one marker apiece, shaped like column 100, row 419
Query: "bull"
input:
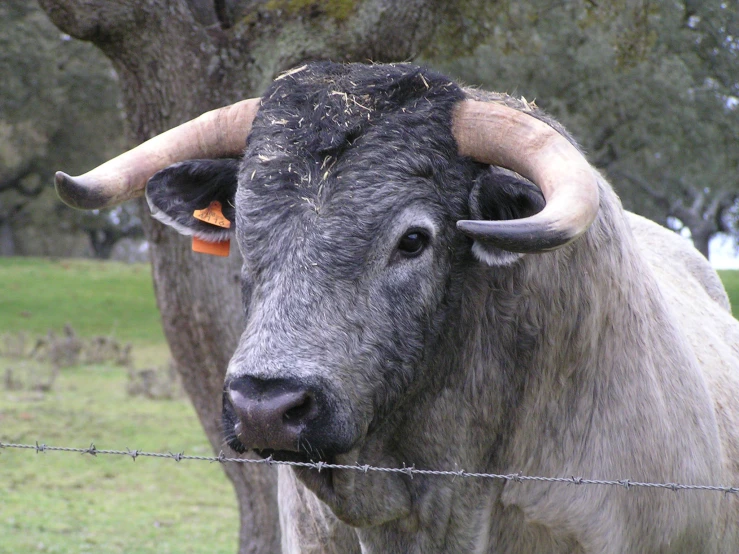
column 435, row 276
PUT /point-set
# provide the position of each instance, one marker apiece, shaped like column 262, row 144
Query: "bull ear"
column 175, row 192
column 500, row 194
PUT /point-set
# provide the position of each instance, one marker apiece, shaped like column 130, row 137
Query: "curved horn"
column 215, row 134
column 495, row 134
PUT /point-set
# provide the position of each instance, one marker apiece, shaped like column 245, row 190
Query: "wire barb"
column 627, row 484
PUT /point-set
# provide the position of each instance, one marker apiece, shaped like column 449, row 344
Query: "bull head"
column 348, row 201
column 487, row 132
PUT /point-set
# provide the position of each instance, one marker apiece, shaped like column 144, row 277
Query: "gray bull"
column 410, row 302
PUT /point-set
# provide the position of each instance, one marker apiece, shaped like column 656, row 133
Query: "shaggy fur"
column 612, row 357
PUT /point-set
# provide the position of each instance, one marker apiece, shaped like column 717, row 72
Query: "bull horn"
column 498, row 135
column 215, row 134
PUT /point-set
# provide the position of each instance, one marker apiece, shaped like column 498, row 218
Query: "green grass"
column 62, row 502
column 69, row 503
column 97, row 298
column 730, row 279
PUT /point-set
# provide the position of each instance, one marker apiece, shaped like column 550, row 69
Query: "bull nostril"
column 299, row 411
column 271, row 413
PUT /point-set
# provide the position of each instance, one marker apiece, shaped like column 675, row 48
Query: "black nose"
column 271, row 413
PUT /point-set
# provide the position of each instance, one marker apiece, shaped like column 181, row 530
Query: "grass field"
column 731, row 282
column 69, row 503
column 98, row 298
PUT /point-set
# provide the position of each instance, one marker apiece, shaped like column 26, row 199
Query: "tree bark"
column 175, row 61
column 701, row 241
column 7, row 240
column 704, row 216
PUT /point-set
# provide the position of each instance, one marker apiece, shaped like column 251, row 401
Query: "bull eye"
column 413, row 243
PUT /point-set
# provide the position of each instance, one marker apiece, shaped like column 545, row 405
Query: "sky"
column 724, row 252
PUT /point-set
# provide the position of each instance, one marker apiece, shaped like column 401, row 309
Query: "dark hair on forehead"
column 323, row 107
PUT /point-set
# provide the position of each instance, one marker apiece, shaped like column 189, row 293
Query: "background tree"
column 58, row 105
column 178, row 58
column 650, row 91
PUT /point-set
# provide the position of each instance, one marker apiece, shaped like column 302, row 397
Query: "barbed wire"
column 410, row 471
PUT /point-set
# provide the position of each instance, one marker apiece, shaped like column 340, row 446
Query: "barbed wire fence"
column 410, row 471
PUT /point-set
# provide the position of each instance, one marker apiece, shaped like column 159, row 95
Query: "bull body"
column 642, row 437
column 377, row 333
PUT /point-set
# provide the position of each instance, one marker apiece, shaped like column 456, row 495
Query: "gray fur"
column 612, row 357
column 637, row 381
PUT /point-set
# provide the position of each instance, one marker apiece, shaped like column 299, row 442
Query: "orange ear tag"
column 213, row 248
column 213, row 215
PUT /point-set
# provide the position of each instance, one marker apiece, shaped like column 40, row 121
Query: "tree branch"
column 659, row 197
column 724, row 202
column 15, row 180
column 13, row 211
column 222, row 13
column 92, row 20
column 698, row 197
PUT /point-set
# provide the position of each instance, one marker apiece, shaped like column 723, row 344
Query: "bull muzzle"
column 280, row 414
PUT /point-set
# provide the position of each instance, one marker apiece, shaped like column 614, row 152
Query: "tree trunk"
column 102, row 242
column 7, row 240
column 177, row 59
column 702, row 228
column 701, row 237
column 200, row 302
